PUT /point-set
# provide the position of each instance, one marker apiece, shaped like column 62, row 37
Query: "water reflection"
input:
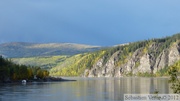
column 115, row 88
column 91, row 89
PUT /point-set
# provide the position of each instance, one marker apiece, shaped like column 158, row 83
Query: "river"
column 84, row 89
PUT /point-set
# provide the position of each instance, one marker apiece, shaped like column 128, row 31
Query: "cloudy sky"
column 93, row 22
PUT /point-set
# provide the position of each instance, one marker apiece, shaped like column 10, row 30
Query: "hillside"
column 46, row 62
column 21, row 49
column 139, row 58
column 149, row 57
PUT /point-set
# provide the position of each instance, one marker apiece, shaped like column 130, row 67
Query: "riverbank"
column 54, row 79
column 46, row 79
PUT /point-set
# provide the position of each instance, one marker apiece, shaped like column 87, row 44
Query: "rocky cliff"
column 149, row 59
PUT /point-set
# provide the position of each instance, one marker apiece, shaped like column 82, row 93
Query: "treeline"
column 13, row 72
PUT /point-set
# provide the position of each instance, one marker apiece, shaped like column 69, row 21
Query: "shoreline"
column 47, row 79
column 66, row 79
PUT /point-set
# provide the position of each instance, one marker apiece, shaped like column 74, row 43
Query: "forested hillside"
column 45, row 62
column 139, row 58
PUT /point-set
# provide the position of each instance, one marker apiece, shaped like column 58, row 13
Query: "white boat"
column 23, row 81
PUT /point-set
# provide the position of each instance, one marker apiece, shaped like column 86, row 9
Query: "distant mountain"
column 22, row 49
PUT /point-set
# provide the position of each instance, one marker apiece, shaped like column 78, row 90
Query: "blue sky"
column 93, row 22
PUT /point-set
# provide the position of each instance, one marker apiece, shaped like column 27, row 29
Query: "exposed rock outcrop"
column 161, row 61
column 140, row 62
column 107, row 70
column 174, row 54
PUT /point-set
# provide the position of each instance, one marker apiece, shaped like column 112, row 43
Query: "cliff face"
column 141, row 61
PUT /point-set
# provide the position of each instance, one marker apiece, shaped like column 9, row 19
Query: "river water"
column 84, row 89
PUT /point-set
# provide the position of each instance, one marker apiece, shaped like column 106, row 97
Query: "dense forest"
column 13, row 72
